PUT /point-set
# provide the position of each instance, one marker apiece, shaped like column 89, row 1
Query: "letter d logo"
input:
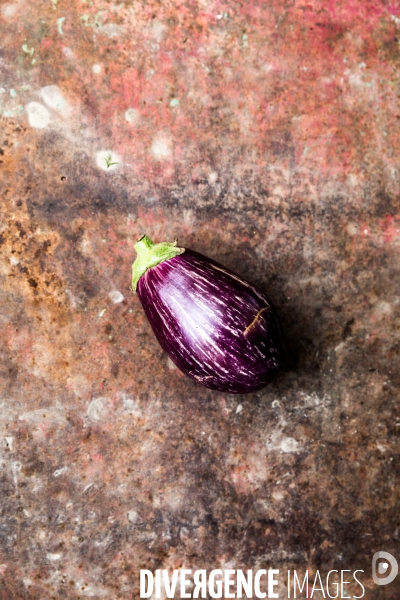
column 383, row 566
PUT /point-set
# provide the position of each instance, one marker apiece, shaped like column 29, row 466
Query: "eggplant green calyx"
column 150, row 254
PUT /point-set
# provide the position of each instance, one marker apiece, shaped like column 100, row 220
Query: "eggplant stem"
column 254, row 321
column 150, row 254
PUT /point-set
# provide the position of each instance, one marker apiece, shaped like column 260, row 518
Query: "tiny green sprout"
column 109, row 162
column 28, row 50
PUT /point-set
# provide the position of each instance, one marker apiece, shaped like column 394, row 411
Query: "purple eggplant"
column 216, row 327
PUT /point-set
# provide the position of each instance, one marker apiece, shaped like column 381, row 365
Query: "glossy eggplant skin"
column 216, row 327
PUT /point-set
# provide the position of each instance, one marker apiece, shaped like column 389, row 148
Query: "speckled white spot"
column 158, row 30
column 132, row 116
column 352, row 179
column 161, row 147
column 98, row 409
column 9, row 10
column 352, row 229
column 68, row 53
column 113, row 30
column 16, row 469
column 395, row 19
column 86, row 246
column 130, row 405
column 382, row 309
column 278, row 495
column 53, row 97
column 14, row 260
column 86, row 489
column 340, row 347
column 356, row 80
column 289, row 445
column 74, row 300
column 60, row 471
column 53, row 556
column 9, row 443
column 116, row 296
column 39, row 416
column 108, row 161
column 173, row 498
column 133, row 516
column 96, row 69
column 170, row 364
column 38, row 115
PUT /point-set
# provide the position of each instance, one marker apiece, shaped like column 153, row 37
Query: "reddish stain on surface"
column 287, row 86
column 391, row 228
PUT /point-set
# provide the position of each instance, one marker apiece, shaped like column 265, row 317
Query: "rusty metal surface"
column 266, row 135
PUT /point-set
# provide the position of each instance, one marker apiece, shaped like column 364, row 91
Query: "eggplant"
column 216, row 327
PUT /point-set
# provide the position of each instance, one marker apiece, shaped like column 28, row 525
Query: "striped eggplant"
column 216, row 327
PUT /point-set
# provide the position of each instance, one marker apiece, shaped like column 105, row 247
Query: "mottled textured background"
column 266, row 135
